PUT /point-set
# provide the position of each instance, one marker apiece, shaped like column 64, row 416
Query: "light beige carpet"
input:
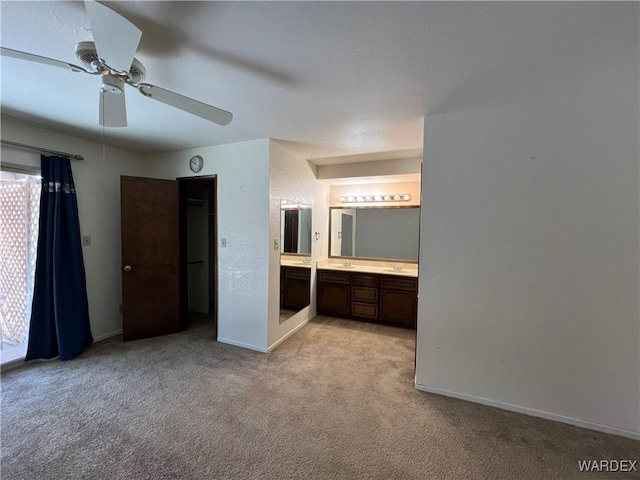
column 335, row 401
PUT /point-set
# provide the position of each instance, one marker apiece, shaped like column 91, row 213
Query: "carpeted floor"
column 334, row 401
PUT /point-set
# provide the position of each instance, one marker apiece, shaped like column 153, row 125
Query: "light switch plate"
column 86, row 241
column 223, row 242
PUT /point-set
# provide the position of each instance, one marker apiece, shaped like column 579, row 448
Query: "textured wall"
column 243, row 219
column 529, row 259
column 292, row 178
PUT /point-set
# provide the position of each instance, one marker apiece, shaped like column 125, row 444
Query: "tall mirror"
column 381, row 233
column 295, row 258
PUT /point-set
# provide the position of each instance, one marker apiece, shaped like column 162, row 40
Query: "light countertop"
column 380, row 268
column 293, row 262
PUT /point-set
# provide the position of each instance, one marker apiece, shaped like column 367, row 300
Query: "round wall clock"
column 196, row 163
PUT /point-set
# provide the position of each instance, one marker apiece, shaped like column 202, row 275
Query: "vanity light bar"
column 393, row 197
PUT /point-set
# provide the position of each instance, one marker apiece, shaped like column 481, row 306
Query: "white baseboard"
column 533, row 412
column 242, row 344
column 107, row 335
column 294, row 330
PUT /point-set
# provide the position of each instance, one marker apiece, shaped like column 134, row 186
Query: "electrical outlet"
column 86, row 241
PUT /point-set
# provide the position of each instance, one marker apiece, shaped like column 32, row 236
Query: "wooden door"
column 150, row 257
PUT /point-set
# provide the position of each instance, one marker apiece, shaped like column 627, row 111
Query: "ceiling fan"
column 111, row 55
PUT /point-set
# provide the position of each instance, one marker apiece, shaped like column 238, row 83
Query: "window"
column 19, row 215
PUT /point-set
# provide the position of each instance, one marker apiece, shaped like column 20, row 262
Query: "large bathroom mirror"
column 389, row 233
column 295, row 258
column 295, row 229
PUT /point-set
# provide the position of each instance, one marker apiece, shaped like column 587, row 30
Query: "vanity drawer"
column 365, row 310
column 365, row 280
column 331, row 277
column 400, row 283
column 298, row 272
column 364, row 294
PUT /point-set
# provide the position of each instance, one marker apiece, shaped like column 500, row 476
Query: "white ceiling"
column 326, row 79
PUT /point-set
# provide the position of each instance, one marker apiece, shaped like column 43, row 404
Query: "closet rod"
column 43, row 150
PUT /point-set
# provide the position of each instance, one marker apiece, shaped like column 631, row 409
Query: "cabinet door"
column 333, row 298
column 398, row 306
column 297, row 293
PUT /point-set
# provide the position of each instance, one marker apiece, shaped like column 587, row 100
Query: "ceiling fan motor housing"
column 88, row 56
column 86, row 53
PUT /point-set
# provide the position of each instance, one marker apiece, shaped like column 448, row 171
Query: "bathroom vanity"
column 295, row 286
column 372, row 270
column 371, row 293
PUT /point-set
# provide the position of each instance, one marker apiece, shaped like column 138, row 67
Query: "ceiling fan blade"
column 30, row 57
column 115, row 37
column 113, row 112
column 189, row 105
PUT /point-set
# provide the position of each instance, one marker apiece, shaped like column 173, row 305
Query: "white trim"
column 294, row 330
column 235, row 343
column 533, row 412
column 107, row 335
column 19, row 168
column 11, row 364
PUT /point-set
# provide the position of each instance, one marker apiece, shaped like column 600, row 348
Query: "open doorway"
column 198, row 253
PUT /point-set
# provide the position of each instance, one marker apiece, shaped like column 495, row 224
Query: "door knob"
column 127, row 268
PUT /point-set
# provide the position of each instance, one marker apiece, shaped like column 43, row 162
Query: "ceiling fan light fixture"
column 112, row 84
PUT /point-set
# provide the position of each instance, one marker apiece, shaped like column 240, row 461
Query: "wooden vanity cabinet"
column 379, row 298
column 295, row 287
column 334, row 293
column 399, row 300
column 365, row 295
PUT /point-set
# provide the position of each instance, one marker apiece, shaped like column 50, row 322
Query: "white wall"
column 242, row 171
column 407, row 167
column 98, row 189
column 529, row 259
column 293, row 178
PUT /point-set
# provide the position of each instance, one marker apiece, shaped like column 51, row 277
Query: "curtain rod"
column 43, row 150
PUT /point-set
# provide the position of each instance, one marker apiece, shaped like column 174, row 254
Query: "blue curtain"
column 60, row 311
